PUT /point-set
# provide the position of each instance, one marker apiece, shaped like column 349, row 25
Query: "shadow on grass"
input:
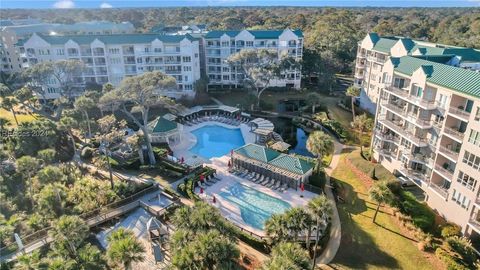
column 358, row 249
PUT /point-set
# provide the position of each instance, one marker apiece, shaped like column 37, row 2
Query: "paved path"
column 336, row 229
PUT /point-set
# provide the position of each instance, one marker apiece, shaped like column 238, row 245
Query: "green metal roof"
column 443, row 59
column 458, row 79
column 115, row 39
column 384, row 45
column 164, row 125
column 274, row 158
column 259, row 34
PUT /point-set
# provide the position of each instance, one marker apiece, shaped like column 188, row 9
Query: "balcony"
column 442, row 192
column 420, row 142
column 376, row 59
column 452, row 155
column 405, row 95
column 386, row 152
column 459, row 113
column 454, row 134
column 414, row 175
column 420, row 158
column 475, row 224
column 387, row 137
column 447, row 174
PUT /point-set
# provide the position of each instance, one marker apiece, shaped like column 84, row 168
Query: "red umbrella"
column 302, row 187
column 202, row 177
column 201, row 190
column 229, row 164
column 214, row 199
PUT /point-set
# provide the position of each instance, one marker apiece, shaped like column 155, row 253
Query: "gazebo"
column 164, row 130
column 281, row 167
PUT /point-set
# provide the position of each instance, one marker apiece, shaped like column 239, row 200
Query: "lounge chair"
column 264, row 182
column 254, row 175
column 283, row 188
column 270, row 184
column 277, row 185
column 259, row 179
column 243, row 174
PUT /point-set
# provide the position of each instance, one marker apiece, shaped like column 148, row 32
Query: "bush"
column 450, row 230
column 422, row 216
column 86, row 153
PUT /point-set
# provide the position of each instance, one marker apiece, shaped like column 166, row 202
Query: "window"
column 460, row 199
column 114, row 50
column 249, row 43
column 187, row 68
column 471, row 160
column 186, row 78
column 188, row 87
column 115, row 60
column 157, row 50
column 60, row 52
column 44, row 52
column 477, row 114
column 466, row 180
column 187, row 59
column 474, row 137
column 399, row 82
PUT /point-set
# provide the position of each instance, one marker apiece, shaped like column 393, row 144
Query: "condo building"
column 220, row 45
column 374, row 51
column 427, row 131
column 12, row 31
column 110, row 58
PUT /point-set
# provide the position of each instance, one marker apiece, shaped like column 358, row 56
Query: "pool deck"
column 230, row 210
column 188, row 140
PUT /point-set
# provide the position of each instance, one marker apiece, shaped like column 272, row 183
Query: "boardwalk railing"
column 92, row 218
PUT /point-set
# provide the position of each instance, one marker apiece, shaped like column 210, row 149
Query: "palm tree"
column 380, row 193
column 4, row 122
column 313, row 99
column 297, row 221
column 67, row 123
column 28, row 166
column 9, row 105
column 321, row 209
column 276, row 227
column 69, row 234
column 30, row 261
column 353, row 92
column 319, row 143
column 287, row 256
column 124, row 249
column 362, row 124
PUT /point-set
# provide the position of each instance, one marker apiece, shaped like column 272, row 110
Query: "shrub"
column 450, row 230
column 47, row 155
column 86, row 153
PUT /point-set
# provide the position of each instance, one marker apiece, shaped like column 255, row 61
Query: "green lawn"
column 366, row 245
column 20, row 117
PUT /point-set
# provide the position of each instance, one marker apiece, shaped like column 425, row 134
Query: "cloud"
column 105, row 5
column 64, row 4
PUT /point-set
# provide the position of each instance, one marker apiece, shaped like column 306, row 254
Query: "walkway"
column 336, row 228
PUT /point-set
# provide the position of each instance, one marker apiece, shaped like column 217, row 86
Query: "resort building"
column 12, row 31
column 374, row 51
column 428, row 132
column 219, row 45
column 285, row 168
column 110, row 58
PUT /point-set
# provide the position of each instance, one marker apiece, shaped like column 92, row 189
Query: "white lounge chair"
column 259, row 179
column 264, row 182
column 277, row 185
column 270, row 184
column 254, row 175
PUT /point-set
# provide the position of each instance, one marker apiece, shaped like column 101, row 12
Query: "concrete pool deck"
column 230, row 210
column 188, row 140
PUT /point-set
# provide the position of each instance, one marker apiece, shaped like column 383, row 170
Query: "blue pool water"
column 216, row 141
column 255, row 206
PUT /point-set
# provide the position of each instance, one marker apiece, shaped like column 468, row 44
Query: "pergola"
column 280, row 146
column 208, row 108
column 290, row 178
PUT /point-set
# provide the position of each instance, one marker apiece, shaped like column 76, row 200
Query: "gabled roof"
column 164, row 125
column 458, row 79
column 274, row 158
column 258, row 34
column 443, row 59
column 115, row 39
column 384, row 45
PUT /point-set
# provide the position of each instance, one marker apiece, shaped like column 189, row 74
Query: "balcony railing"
column 376, row 59
column 414, row 174
column 405, row 95
column 420, row 158
column 449, row 153
column 444, row 172
column 387, row 137
column 439, row 190
column 454, row 133
column 459, row 113
column 420, row 142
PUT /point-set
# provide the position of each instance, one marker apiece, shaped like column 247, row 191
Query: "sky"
column 42, row 4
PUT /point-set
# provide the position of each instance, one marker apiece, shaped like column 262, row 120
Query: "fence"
column 104, row 210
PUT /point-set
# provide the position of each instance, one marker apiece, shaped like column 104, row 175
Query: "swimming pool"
column 216, row 141
column 255, row 206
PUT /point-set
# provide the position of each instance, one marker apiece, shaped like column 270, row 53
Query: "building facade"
column 220, row 45
column 12, row 31
column 374, row 51
column 428, row 132
column 110, row 58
